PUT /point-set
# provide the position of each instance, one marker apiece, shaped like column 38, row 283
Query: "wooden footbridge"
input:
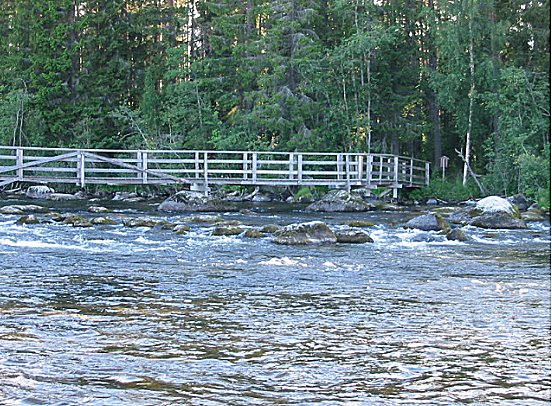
column 201, row 169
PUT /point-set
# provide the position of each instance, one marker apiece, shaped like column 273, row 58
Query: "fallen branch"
column 482, row 188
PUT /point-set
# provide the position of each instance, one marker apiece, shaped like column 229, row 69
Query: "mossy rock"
column 311, row 233
column 457, row 235
column 253, row 233
column 429, row 222
column 270, row 228
column 230, row 223
column 28, row 219
column 360, row 223
column 73, row 219
column 143, row 222
column 98, row 209
column 227, row 230
column 352, row 237
column 204, row 219
column 103, row 221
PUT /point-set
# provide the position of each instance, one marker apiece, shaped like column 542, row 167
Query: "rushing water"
column 112, row 315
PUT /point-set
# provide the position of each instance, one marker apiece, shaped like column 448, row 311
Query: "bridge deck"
column 204, row 168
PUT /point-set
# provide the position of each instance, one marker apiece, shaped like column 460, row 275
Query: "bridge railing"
column 117, row 167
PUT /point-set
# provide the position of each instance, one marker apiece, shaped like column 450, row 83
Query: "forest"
column 469, row 79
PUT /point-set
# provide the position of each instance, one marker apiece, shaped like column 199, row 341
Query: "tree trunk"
column 471, row 97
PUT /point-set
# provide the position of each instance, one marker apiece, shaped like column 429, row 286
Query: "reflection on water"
column 113, row 315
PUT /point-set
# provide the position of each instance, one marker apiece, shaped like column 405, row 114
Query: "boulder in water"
column 38, row 192
column 520, row 201
column 98, row 209
column 340, row 201
column 203, row 219
column 29, row 219
column 103, row 221
column 457, row 235
column 311, row 233
column 60, row 196
column 142, row 222
column 353, row 236
column 498, row 220
column 270, row 228
column 195, row 201
column 21, row 208
column 429, row 222
column 496, row 204
column 253, row 233
column 227, row 230
column 491, row 212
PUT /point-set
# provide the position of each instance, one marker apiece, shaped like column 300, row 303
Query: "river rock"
column 353, row 236
column 60, row 196
column 104, row 221
column 28, row 219
column 498, row 220
column 520, row 201
column 340, row 201
column 203, row 219
column 74, row 220
column 457, row 234
column 227, row 230
column 360, row 223
column 270, row 228
column 195, row 201
column 181, row 228
column 491, row 212
column 21, row 209
column 38, row 192
column 429, row 222
column 98, row 209
column 534, row 213
column 311, row 233
column 142, row 222
column 253, row 233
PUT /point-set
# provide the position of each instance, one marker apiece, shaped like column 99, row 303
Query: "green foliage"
column 304, row 193
column 447, row 190
column 301, row 75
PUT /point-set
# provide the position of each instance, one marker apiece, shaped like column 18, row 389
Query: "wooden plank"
column 135, row 168
column 299, row 167
column 19, row 167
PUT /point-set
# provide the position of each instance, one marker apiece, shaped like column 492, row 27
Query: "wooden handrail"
column 202, row 168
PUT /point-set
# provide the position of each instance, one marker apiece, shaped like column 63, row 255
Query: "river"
column 112, row 315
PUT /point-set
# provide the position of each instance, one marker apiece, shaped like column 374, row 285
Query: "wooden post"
column 299, row 167
column 205, row 174
column 196, row 163
column 19, row 163
column 396, row 176
column 291, row 166
column 339, row 166
column 145, row 167
column 381, row 169
column 348, row 171
column 427, row 173
column 245, row 165
column 139, row 165
column 369, row 170
column 411, row 171
column 360, row 166
column 254, row 167
column 81, row 169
